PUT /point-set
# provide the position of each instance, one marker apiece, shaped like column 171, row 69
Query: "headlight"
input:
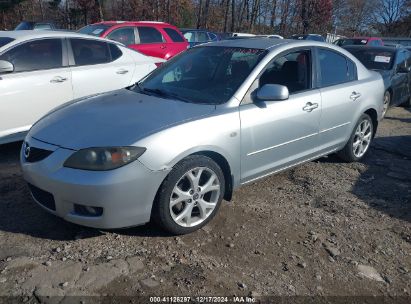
column 101, row 159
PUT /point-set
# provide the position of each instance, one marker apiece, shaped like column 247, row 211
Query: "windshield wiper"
column 166, row 94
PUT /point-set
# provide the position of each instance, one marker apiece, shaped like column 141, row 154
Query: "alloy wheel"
column 362, row 138
column 194, row 197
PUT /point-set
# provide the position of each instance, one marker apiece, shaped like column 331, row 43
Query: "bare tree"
column 390, row 11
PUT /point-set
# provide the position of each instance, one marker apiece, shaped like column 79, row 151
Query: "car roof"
column 267, row 43
column 113, row 23
column 29, row 34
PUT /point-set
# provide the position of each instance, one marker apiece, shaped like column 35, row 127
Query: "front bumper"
column 125, row 194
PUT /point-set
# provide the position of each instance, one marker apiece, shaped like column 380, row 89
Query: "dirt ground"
column 325, row 228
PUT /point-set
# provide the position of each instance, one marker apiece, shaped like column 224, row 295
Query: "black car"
column 314, row 37
column 394, row 64
column 30, row 25
column 198, row 36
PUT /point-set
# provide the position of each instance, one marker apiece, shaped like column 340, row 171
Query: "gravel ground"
column 324, row 228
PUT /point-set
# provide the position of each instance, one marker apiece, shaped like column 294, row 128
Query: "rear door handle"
column 122, row 72
column 309, row 107
column 58, row 79
column 354, row 95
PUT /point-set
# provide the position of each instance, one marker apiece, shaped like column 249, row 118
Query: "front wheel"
column 360, row 140
column 190, row 196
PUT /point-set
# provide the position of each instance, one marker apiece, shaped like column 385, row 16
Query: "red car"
column 156, row 39
column 370, row 41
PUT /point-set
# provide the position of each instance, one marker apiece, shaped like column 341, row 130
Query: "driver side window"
column 292, row 70
column 44, row 54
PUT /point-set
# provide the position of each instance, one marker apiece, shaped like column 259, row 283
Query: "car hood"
column 119, row 118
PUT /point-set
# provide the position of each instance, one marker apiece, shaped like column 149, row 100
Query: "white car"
column 42, row 70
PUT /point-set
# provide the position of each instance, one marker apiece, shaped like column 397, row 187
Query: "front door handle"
column 354, row 96
column 58, row 79
column 122, row 72
column 162, row 47
column 309, row 107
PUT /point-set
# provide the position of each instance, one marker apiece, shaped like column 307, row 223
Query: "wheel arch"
column 225, row 167
column 221, row 161
column 374, row 118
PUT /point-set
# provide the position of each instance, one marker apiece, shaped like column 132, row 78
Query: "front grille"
column 43, row 197
column 37, row 154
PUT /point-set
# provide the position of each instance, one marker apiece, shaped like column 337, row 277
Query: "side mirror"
column 6, row 67
column 272, row 92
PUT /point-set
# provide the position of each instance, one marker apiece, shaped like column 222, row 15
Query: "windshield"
column 375, row 59
column 5, row 40
column 208, row 75
column 24, row 26
column 94, row 30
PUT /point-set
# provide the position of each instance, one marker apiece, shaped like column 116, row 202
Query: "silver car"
column 219, row 116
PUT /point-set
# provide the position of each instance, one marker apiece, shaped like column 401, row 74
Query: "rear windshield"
column 354, row 42
column 5, row 40
column 23, row 26
column 174, row 35
column 375, row 59
column 94, row 30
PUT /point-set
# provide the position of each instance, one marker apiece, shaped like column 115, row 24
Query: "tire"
column 179, row 207
column 386, row 103
column 350, row 152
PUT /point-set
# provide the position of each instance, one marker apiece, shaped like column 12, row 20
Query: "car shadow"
column 385, row 185
column 406, row 120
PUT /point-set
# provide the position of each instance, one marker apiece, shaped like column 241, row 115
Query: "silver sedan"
column 221, row 115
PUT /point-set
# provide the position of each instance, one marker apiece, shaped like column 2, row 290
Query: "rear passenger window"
column 89, row 52
column 174, row 35
column 35, row 55
column 335, row 68
column 115, row 52
column 123, row 35
column 351, row 70
column 149, row 35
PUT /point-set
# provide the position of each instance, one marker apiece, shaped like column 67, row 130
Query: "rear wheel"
column 360, row 140
column 386, row 103
column 190, row 196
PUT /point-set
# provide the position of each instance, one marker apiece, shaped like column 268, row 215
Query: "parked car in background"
column 229, row 35
column 369, row 41
column 158, row 150
column 198, row 36
column 255, row 37
column 404, row 41
column 30, row 25
column 44, row 69
column 314, row 37
column 157, row 39
column 275, row 36
column 242, row 35
column 394, row 64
